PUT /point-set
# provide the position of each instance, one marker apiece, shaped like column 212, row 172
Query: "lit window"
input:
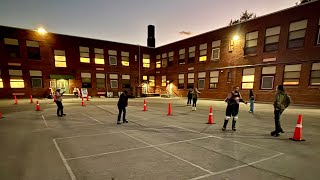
column 190, row 80
column 248, row 78
column 158, row 61
column 203, row 52
column 60, row 58
column 125, row 58
column 181, row 81
column 164, row 81
column 16, row 78
column 1, row 83
column 315, row 74
column 214, row 79
column 297, row 32
column 98, row 56
column 151, row 81
column 146, row 61
column 251, row 43
column 292, row 75
column 84, row 54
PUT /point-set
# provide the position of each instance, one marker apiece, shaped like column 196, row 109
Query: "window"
column 164, row 60
column 12, row 47
column 203, row 52
column 267, row 78
column 86, row 80
column 182, row 56
column 214, row 79
column 192, row 54
column 146, row 61
column 181, row 81
column 158, row 62
column 271, row 42
column 251, row 43
column 114, row 81
column 248, row 78
column 318, row 40
column 16, row 79
column 292, row 75
column 125, row 58
column 101, row 80
column 98, row 56
column 36, row 78
column 164, row 81
column 215, row 56
column 84, row 54
column 126, row 82
column 33, row 49
column 229, row 77
column 190, row 80
column 152, row 81
column 201, row 80
column 315, row 74
column 60, row 58
column 171, row 58
column 113, row 61
column 297, row 31
column 1, row 82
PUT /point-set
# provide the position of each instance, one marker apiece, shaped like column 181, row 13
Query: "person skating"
column 122, row 104
column 195, row 95
column 189, row 97
column 59, row 103
column 233, row 99
column 281, row 102
column 251, row 98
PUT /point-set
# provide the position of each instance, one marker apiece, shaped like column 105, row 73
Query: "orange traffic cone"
column 15, row 100
column 169, row 110
column 297, row 136
column 87, row 97
column 31, row 100
column 210, row 118
column 144, row 105
column 82, row 104
column 38, row 106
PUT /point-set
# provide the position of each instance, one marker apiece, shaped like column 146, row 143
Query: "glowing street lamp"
column 41, row 31
column 236, row 38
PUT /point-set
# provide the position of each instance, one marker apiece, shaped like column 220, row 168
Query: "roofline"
column 78, row 37
column 296, row 6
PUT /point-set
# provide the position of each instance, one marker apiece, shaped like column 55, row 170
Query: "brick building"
column 279, row 48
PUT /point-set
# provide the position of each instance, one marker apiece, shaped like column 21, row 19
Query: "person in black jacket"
column 251, row 98
column 189, row 97
column 122, row 104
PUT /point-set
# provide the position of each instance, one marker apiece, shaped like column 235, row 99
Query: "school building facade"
column 259, row 54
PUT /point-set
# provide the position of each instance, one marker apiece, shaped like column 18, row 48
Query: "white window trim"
column 33, row 77
column 262, row 82
column 111, row 84
column 110, row 60
column 212, row 58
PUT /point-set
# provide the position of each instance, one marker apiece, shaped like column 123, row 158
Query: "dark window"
column 297, row 32
column 33, row 53
column 13, row 50
column 251, row 43
column 86, row 82
column 36, row 82
column 267, row 82
column 201, row 83
column 229, row 77
column 126, row 84
column 101, row 83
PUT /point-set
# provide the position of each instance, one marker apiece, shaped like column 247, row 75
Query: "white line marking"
column 238, row 167
column 93, row 118
column 56, row 114
column 227, row 139
column 73, row 177
column 131, row 149
column 137, row 116
column 45, row 122
column 99, row 134
column 166, row 152
column 82, row 125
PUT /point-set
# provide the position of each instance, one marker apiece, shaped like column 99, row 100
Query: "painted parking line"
column 72, row 176
column 131, row 149
column 52, row 128
column 44, row 120
column 92, row 118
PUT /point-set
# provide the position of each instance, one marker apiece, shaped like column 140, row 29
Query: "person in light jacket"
column 195, row 95
column 59, row 102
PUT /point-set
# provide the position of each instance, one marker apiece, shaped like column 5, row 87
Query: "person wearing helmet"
column 59, row 102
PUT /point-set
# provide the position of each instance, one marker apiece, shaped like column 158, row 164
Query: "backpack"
column 284, row 101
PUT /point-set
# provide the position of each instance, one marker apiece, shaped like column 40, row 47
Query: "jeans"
column 277, row 114
column 122, row 109
column 60, row 108
column 189, row 101
column 251, row 105
column 194, row 104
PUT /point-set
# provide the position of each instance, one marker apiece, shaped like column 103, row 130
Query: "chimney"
column 151, row 39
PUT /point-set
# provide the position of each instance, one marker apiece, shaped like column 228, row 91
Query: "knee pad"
column 227, row 118
column 235, row 118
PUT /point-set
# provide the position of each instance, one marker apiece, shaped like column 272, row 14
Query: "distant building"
column 278, row 48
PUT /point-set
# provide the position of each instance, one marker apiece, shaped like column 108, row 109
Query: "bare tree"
column 244, row 17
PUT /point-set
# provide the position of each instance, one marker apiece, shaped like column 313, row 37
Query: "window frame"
column 246, row 49
column 115, row 80
column 317, row 70
column 99, row 54
column 297, row 39
column 12, row 48
column 180, row 85
column 215, row 59
column 31, row 48
column 115, row 60
column 284, row 74
column 271, row 44
column 38, row 78
column 262, row 80
column 215, row 84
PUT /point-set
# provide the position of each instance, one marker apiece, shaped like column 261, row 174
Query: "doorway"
column 63, row 85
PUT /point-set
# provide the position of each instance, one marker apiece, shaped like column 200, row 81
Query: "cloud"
column 185, row 33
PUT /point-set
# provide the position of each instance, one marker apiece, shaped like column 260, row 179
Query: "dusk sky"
column 126, row 20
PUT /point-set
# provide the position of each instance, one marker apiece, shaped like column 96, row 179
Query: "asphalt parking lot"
column 88, row 144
